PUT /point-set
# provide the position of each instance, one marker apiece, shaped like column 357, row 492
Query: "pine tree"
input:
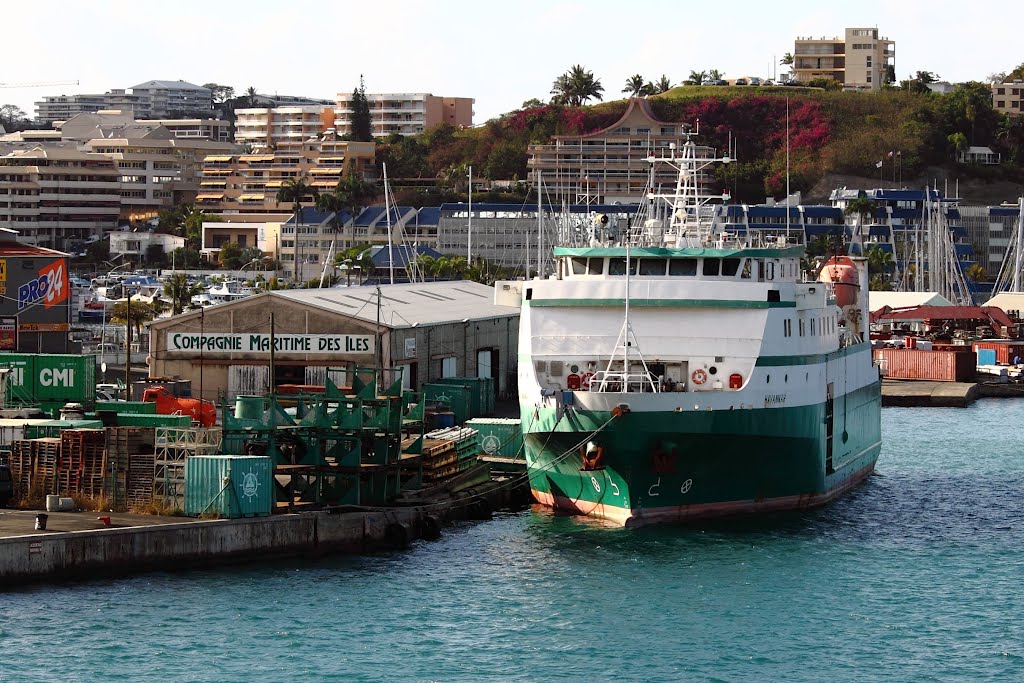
column 361, row 127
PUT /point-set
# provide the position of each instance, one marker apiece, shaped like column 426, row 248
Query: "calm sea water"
column 918, row 575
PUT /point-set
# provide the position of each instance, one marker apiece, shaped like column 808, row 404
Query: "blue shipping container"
column 986, row 356
column 229, row 486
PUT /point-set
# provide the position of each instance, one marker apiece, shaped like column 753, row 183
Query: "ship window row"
column 818, row 326
column 674, row 267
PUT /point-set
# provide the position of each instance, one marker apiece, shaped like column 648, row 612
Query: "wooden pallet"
column 140, row 480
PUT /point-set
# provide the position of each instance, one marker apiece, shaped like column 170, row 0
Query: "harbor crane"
column 37, row 84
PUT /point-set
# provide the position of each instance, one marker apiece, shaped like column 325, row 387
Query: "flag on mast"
column 879, row 164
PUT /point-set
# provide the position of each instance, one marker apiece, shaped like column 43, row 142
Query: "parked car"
column 755, row 81
column 794, row 83
column 6, row 485
column 717, row 81
column 741, row 81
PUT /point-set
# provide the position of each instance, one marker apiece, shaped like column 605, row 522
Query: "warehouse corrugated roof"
column 406, row 305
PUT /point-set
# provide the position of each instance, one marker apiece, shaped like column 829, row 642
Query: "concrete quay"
column 925, row 393
column 75, row 545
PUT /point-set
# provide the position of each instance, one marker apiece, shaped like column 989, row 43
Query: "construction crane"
column 37, row 85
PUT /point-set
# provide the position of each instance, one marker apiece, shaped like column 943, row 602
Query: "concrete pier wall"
column 106, row 552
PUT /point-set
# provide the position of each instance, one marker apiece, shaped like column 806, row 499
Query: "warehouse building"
column 430, row 330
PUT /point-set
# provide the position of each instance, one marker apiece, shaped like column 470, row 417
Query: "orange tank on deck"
column 841, row 271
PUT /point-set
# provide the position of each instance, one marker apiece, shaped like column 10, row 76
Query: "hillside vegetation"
column 830, row 132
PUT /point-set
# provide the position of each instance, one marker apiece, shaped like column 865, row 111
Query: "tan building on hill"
column 609, row 165
column 1008, row 98
column 860, row 60
column 249, row 183
column 405, row 113
column 271, row 126
column 54, row 195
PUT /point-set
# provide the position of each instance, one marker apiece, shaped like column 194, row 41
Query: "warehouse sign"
column 237, row 342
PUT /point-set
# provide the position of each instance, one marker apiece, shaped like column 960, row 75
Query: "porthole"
column 713, row 370
column 574, row 368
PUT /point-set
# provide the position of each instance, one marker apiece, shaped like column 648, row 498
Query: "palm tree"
column 634, row 85
column 295, row 191
column 697, row 77
column 252, row 95
column 787, row 59
column 332, row 203
column 715, row 75
column 180, row 291
column 575, row 87
column 663, row 84
column 191, row 226
column 141, row 313
column 976, row 272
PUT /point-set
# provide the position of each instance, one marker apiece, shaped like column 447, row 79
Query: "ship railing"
column 610, row 381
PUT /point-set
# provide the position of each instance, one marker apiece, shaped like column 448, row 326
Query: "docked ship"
column 670, row 369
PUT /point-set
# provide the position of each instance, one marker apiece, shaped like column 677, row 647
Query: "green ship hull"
column 652, row 467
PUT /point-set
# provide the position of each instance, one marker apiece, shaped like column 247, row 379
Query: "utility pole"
column 469, row 224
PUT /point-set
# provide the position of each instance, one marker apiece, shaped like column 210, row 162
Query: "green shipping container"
column 456, row 398
column 53, row 428
column 229, row 486
column 65, row 378
column 21, row 383
column 482, row 389
column 498, row 436
column 133, row 407
column 136, row 420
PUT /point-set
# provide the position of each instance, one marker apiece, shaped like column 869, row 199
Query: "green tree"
column 180, row 292
column 12, row 117
column 221, row 93
column 507, row 160
column 186, row 257
column 575, row 87
column 634, row 85
column 155, row 256
column 957, row 144
column 1016, row 75
column 861, row 207
column 715, row 75
column 662, row 85
column 362, row 126
column 976, row 272
column 787, row 59
column 532, row 103
column 879, row 260
column 141, row 313
column 697, row 77
column 230, row 256
column 294, row 191
column 252, row 96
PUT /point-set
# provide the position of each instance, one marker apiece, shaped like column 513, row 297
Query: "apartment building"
column 150, row 100
column 58, row 195
column 271, row 126
column 860, row 60
column 405, row 113
column 1008, row 98
column 197, row 129
column 248, row 183
column 609, row 165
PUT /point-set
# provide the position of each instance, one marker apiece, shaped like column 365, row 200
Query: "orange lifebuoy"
column 699, row 376
column 585, row 381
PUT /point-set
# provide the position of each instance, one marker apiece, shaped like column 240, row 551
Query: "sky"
column 499, row 53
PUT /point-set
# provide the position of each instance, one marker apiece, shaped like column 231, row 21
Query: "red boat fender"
column 105, row 519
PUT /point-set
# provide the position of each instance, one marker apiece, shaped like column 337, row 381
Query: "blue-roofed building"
column 506, row 234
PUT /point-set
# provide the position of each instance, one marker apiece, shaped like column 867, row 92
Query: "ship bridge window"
column 650, row 266
column 730, row 266
column 682, row 267
column 712, row 266
column 617, row 266
column 596, row 266
column 746, row 269
column 579, row 266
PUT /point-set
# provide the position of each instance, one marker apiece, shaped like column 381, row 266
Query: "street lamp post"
column 103, row 327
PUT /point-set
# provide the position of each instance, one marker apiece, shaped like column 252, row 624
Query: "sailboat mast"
column 787, row 170
column 387, row 212
column 1018, row 247
column 540, row 227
